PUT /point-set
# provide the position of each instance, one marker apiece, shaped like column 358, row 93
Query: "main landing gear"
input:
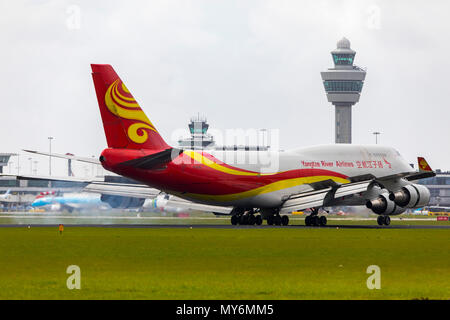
column 383, row 220
column 244, row 217
column 314, row 220
column 252, row 217
column 277, row 220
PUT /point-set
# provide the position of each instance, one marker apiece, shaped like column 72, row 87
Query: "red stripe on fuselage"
column 184, row 174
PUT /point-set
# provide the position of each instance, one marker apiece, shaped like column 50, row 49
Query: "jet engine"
column 120, row 202
column 383, row 205
column 411, row 196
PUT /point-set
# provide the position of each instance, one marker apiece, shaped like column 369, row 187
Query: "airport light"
column 31, row 165
column 264, row 133
column 35, row 167
column 93, row 167
column 18, row 164
column 50, row 157
column 376, row 133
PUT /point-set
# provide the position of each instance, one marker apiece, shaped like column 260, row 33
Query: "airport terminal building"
column 439, row 187
column 25, row 191
column 4, row 159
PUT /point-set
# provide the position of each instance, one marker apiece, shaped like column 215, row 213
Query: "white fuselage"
column 344, row 159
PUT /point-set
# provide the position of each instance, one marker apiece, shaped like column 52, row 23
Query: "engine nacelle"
column 411, row 196
column 383, row 205
column 120, row 202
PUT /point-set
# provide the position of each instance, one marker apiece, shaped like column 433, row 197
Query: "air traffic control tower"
column 343, row 85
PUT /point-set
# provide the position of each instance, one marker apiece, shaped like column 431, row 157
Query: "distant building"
column 4, row 159
column 200, row 138
column 27, row 189
column 439, row 187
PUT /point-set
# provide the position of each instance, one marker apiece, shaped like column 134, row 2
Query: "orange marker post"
column 61, row 228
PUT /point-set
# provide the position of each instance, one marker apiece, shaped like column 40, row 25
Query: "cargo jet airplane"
column 305, row 178
column 6, row 196
column 313, row 177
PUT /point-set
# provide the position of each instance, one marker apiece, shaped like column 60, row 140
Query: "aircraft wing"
column 122, row 189
column 425, row 170
column 319, row 198
column 100, row 186
column 126, row 190
column 49, row 178
column 328, row 192
column 65, row 156
column 179, row 202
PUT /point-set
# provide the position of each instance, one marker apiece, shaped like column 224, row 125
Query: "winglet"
column 423, row 165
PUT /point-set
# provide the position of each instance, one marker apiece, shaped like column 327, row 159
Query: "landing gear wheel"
column 270, row 220
column 323, row 221
column 258, row 220
column 277, row 220
column 244, row 219
column 234, row 220
column 308, row 221
column 315, row 220
column 387, row 220
column 284, row 220
column 380, row 220
column 251, row 219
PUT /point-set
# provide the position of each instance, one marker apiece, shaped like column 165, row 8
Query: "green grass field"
column 207, row 263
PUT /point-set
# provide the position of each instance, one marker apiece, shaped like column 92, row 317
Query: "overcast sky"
column 242, row 64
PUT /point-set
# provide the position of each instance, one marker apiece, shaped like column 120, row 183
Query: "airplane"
column 46, row 194
column 313, row 177
column 14, row 201
column 70, row 202
column 84, row 201
column 6, row 196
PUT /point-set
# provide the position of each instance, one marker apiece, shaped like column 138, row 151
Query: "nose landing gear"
column 384, row 220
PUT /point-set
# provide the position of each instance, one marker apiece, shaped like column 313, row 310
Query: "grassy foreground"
column 127, row 263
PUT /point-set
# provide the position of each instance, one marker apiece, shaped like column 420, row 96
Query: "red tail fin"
column 125, row 124
column 423, row 164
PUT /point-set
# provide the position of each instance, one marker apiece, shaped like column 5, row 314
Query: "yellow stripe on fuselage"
column 211, row 164
column 271, row 187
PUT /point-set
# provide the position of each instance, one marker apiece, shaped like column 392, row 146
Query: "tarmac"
column 135, row 220
column 215, row 226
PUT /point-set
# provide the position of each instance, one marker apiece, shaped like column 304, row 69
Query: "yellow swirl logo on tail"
column 122, row 104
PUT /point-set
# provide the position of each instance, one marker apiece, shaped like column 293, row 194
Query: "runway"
column 215, row 226
column 138, row 220
column 47, row 216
